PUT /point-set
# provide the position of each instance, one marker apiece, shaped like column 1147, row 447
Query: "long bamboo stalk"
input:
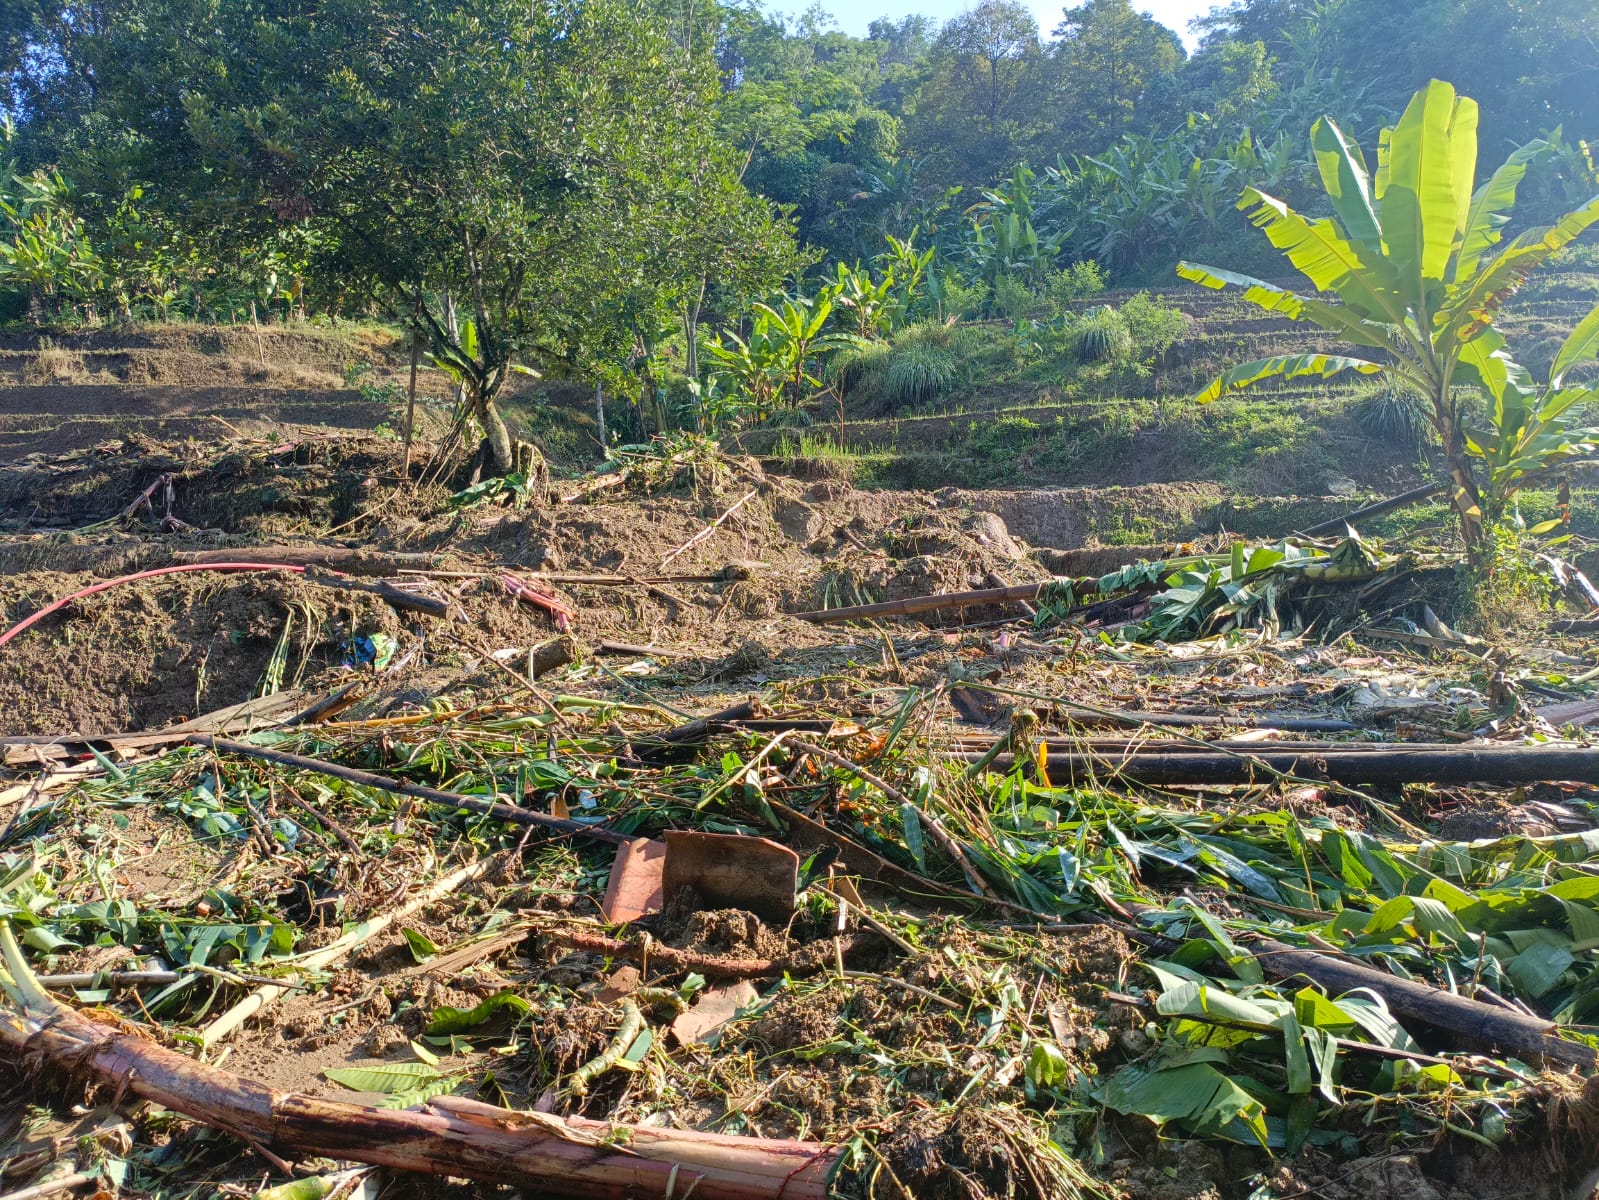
column 1457, row 765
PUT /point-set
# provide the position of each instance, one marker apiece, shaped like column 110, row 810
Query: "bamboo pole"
column 1388, row 765
column 1504, row 1029
column 1414, row 496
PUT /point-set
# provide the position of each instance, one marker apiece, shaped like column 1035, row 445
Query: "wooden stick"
column 705, row 533
column 269, row 993
column 410, row 403
column 397, row 597
column 574, row 1159
column 489, row 808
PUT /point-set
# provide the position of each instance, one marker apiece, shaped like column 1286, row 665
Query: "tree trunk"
column 496, row 437
column 1464, row 493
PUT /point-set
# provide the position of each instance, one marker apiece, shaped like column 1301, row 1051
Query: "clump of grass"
column 1102, row 336
column 858, row 368
column 918, row 374
column 1394, row 415
column 925, row 333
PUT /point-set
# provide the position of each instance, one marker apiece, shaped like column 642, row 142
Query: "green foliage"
column 918, row 373
column 45, row 249
column 1153, row 326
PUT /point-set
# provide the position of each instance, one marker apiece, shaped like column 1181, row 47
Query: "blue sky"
column 854, row 15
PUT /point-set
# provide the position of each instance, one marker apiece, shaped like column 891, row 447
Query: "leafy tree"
column 519, row 161
column 1415, row 257
column 985, row 96
column 1118, row 68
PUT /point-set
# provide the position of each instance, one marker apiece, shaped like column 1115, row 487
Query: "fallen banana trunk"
column 1506, row 1030
column 912, row 605
column 1455, row 765
column 572, row 1158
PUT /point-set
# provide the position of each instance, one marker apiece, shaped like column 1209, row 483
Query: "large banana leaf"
column 1424, row 195
column 1363, row 280
column 1257, row 291
column 1344, row 175
column 1269, row 296
column 1472, row 303
column 1490, row 208
column 1285, row 366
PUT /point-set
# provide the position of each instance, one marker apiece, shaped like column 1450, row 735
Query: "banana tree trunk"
column 496, row 437
column 448, row 1135
column 1464, row 492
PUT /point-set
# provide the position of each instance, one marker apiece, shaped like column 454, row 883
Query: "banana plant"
column 1536, row 430
column 758, row 365
column 909, row 269
column 1414, row 256
column 44, row 246
column 796, row 328
column 872, row 304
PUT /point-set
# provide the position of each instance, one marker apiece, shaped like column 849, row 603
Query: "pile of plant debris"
column 971, row 913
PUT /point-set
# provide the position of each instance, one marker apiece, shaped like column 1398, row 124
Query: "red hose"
column 111, row 583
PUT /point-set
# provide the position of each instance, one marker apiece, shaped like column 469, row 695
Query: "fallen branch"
column 1414, row 496
column 1454, row 765
column 397, row 597
column 705, row 533
column 573, row 1158
column 489, row 808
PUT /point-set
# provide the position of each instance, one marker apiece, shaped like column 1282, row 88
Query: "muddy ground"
column 882, row 1053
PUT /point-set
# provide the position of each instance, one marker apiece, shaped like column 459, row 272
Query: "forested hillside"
column 660, row 198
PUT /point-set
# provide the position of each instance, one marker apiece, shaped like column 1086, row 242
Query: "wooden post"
column 410, row 404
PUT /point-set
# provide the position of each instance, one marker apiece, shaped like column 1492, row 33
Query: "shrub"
column 1102, row 336
column 1153, row 325
column 1079, row 281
